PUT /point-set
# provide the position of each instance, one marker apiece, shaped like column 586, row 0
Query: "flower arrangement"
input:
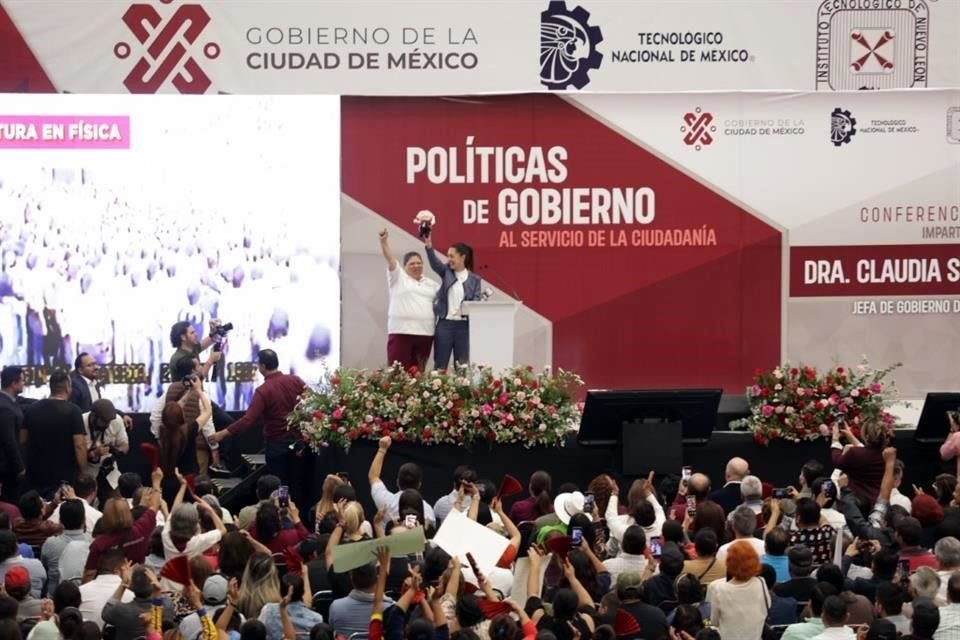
column 458, row 406
column 799, row 403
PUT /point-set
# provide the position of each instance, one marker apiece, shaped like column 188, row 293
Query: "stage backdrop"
column 122, row 215
column 675, row 240
column 443, row 47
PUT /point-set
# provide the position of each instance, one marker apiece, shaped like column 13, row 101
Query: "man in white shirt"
column 949, row 628
column 461, row 474
column 106, row 437
column 408, row 477
column 631, row 557
column 896, row 498
column 744, row 525
column 95, row 594
column 835, row 618
column 410, row 318
column 947, row 552
column 84, row 488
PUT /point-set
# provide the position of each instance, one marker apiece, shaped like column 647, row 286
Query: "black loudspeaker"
column 651, row 445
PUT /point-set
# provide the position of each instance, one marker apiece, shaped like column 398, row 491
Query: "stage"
column 778, row 463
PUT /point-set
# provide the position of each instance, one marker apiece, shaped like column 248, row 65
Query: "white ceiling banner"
column 432, row 47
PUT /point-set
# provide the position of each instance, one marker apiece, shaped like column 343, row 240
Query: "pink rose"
column 767, row 411
column 486, row 409
column 337, row 413
column 876, row 387
column 755, row 390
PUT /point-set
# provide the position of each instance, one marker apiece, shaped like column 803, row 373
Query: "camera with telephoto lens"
column 221, row 330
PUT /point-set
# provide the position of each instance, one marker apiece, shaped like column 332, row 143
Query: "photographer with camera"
column 106, row 437
column 183, row 338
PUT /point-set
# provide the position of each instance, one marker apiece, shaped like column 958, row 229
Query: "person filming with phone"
column 950, row 448
column 178, row 455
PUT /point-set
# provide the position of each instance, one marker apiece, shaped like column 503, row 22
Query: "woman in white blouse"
column 410, row 321
column 739, row 604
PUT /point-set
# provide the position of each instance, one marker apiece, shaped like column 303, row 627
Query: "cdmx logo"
column 568, row 47
column 698, row 128
column 843, row 126
column 160, row 61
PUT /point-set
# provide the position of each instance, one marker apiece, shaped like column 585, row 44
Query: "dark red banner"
column 875, row 270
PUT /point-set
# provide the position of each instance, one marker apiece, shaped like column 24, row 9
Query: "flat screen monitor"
column 933, row 425
column 605, row 412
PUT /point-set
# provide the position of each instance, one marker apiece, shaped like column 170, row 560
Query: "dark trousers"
column 453, row 336
column 283, row 462
column 409, row 350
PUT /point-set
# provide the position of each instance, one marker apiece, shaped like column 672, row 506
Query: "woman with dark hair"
column 709, row 516
column 460, row 285
column 706, row 567
column 269, row 530
column 539, row 503
column 178, row 452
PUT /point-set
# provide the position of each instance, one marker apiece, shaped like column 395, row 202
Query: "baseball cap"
column 104, row 410
column 800, row 560
column 16, row 578
column 215, row 589
column 627, row 581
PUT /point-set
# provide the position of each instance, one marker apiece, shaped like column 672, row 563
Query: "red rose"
column 413, row 371
column 399, row 437
column 497, row 384
column 794, row 371
column 534, row 385
column 318, row 415
column 491, row 435
column 477, row 424
column 352, row 434
column 335, row 380
column 454, row 414
column 840, row 369
column 427, row 433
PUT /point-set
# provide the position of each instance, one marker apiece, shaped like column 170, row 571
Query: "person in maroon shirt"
column 272, row 402
column 539, row 503
column 862, row 462
column 268, row 528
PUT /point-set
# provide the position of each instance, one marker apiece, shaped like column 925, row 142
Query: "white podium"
column 492, row 332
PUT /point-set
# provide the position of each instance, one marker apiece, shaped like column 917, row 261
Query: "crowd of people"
column 87, row 267
column 842, row 554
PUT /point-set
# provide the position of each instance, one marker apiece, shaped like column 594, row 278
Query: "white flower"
column 777, row 373
column 542, row 427
column 855, row 393
column 777, row 387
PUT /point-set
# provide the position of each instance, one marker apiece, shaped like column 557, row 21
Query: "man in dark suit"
column 85, row 385
column 729, row 496
column 12, row 469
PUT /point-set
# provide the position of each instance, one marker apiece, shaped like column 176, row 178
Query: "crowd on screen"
column 87, row 268
column 842, row 553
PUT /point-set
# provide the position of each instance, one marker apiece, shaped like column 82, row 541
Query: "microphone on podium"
column 487, row 293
